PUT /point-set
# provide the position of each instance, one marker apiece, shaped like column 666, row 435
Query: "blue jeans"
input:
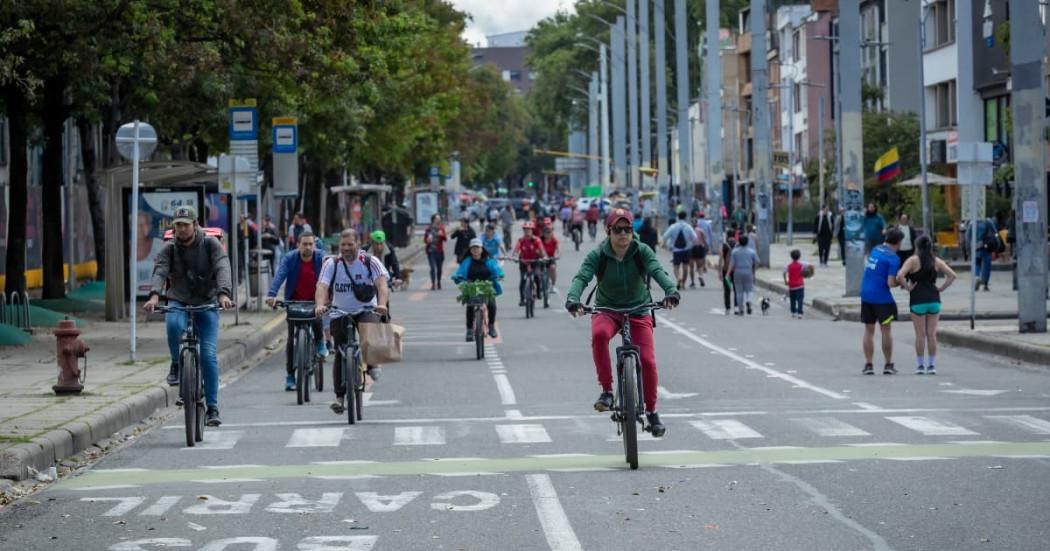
column 984, row 264
column 797, row 298
column 207, row 324
column 436, row 260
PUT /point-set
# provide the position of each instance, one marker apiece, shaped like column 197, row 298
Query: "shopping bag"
column 381, row 342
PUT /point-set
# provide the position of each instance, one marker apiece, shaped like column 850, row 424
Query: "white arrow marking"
column 668, row 395
column 370, row 402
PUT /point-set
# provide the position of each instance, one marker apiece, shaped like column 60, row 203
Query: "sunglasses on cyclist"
column 621, row 229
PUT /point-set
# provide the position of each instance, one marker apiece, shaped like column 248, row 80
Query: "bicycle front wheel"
column 348, row 381
column 189, row 388
column 359, row 383
column 302, row 361
column 319, row 373
column 530, row 298
column 479, row 333
column 628, row 409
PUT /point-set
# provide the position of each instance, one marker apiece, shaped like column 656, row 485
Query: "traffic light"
column 531, row 184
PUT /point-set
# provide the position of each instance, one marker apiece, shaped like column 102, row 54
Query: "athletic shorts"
column 881, row 314
column 680, row 257
column 926, row 309
column 699, row 252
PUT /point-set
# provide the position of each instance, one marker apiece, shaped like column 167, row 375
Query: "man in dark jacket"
column 298, row 272
column 823, row 228
column 193, row 270
column 647, row 233
column 463, row 235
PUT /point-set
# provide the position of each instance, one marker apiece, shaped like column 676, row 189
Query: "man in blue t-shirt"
column 877, row 305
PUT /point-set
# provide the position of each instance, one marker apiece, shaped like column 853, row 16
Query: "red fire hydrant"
column 70, row 350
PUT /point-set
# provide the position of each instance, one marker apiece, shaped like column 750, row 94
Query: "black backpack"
column 680, row 242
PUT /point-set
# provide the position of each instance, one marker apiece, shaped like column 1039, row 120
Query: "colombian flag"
column 888, row 166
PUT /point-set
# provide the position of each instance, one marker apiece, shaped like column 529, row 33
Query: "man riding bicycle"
column 298, row 272
column 195, row 269
column 356, row 283
column 592, row 219
column 624, row 262
column 528, row 248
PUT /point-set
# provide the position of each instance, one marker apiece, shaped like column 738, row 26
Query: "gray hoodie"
column 215, row 278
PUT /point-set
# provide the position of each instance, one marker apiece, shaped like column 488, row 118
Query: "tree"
column 882, row 132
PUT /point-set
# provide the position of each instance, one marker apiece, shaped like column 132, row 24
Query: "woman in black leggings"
column 723, row 265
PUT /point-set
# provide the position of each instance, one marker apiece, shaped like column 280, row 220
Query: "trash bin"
column 397, row 224
column 254, row 265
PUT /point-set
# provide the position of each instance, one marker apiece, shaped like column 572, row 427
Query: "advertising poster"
column 156, row 209
column 426, row 206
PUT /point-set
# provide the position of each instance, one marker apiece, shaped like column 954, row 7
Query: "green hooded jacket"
column 621, row 286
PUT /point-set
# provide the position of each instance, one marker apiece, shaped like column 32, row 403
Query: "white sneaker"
column 554, row 290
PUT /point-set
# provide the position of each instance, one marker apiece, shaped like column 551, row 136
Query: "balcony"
column 743, row 43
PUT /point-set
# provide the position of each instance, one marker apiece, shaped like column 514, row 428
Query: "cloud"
column 494, row 17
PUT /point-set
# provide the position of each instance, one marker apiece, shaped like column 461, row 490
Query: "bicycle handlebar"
column 648, row 307
column 286, row 303
column 200, row 308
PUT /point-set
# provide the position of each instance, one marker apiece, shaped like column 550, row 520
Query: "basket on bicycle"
column 302, row 311
column 482, row 290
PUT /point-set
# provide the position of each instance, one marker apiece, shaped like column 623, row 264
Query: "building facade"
column 508, row 53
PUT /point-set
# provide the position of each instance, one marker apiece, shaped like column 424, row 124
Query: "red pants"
column 606, row 326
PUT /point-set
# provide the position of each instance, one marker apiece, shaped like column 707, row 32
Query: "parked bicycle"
column 306, row 362
column 191, row 382
column 351, row 365
column 628, row 404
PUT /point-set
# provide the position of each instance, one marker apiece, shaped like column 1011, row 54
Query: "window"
column 506, row 75
column 796, row 46
column 798, row 145
column 515, row 75
column 942, row 13
column 945, row 104
column 796, row 95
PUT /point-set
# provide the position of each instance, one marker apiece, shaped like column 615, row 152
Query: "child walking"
column 794, row 278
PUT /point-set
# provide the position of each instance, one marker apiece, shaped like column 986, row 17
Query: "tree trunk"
column 98, row 222
column 15, row 267
column 53, row 115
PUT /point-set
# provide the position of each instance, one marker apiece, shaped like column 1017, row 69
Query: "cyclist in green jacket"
column 621, row 264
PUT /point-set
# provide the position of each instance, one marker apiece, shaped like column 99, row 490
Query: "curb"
column 1020, row 351
column 50, row 448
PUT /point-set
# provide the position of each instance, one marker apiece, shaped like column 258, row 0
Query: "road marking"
column 665, row 394
column 555, row 523
column 105, row 487
column 227, row 480
column 124, row 504
column 161, row 506
column 230, row 466
column 1027, row 422
column 316, row 438
column 725, row 429
column 867, row 406
column 513, row 414
column 931, row 427
column 373, row 403
column 974, row 392
column 522, row 434
column 506, row 393
column 919, row 458
column 218, row 440
column 752, row 364
column 830, row 426
column 419, row 436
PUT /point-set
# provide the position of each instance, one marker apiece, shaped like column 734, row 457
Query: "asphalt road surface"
column 775, row 442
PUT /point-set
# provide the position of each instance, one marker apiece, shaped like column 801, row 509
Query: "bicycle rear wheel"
column 628, row 409
column 546, row 290
column 188, row 387
column 530, row 298
column 302, row 362
column 479, row 333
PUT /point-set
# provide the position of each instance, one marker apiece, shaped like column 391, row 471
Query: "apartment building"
column 508, row 53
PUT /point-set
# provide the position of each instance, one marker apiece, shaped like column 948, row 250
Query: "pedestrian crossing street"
column 691, row 430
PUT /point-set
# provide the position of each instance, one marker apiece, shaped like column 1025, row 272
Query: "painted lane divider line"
column 750, row 363
column 556, row 527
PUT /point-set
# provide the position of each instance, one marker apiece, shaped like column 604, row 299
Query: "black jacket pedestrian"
column 647, row 234
column 823, row 226
column 462, row 237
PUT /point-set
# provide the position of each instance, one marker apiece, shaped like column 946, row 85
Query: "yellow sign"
column 242, row 102
column 285, row 121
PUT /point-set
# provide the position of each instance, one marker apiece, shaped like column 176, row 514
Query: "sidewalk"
column 994, row 309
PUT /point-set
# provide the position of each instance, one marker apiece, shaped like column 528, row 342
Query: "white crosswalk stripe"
column 218, row 440
column 316, row 438
column 1027, row 422
column 419, row 436
column 725, row 429
column 830, row 426
column 522, row 434
column 931, row 427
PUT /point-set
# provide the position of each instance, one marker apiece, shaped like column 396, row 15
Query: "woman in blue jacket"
column 479, row 266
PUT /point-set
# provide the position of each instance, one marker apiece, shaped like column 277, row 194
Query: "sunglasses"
column 621, row 229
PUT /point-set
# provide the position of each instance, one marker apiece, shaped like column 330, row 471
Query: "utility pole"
column 791, row 156
column 604, row 92
column 714, row 116
column 1027, row 48
column 971, row 129
column 632, row 92
column 619, row 103
column 660, row 36
column 820, row 149
column 761, row 130
column 927, row 220
column 682, row 85
column 852, row 142
column 592, row 130
column 646, row 104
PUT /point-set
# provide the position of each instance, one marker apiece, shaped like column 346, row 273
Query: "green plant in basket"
column 470, row 290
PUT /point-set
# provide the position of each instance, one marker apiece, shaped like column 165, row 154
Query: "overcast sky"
column 501, row 16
